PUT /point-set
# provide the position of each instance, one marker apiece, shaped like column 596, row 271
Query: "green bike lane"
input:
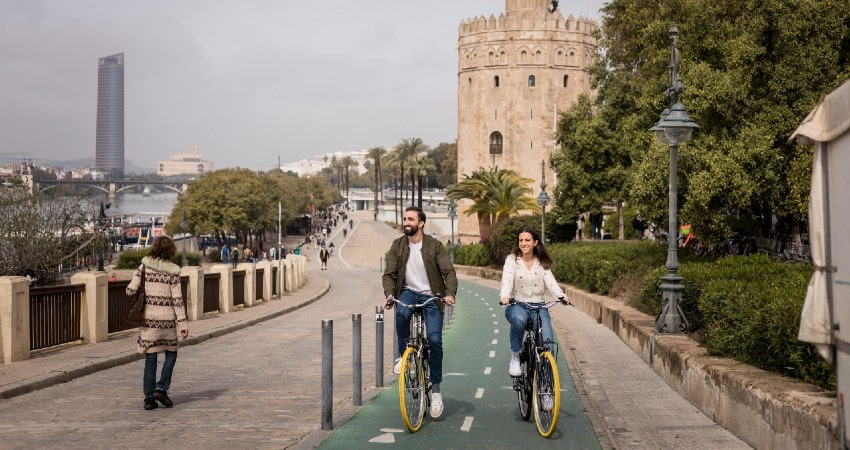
column 480, row 404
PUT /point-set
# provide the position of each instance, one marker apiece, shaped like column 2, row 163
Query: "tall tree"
column 403, row 151
column 420, row 166
column 375, row 154
column 752, row 69
column 348, row 163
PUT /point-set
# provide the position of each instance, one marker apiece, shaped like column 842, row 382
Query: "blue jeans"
column 149, row 382
column 517, row 316
column 433, row 326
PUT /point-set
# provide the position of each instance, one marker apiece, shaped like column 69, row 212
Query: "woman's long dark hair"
column 538, row 250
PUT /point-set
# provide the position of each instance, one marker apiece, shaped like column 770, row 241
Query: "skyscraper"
column 109, row 142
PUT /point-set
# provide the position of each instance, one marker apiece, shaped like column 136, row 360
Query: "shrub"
column 131, row 259
column 597, row 266
column 502, row 238
column 193, row 259
column 471, row 255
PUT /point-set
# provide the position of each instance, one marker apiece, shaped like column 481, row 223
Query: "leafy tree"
column 444, row 156
column 403, row 152
column 38, row 233
column 753, row 69
column 420, row 167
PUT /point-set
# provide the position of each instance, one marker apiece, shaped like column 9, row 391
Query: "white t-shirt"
column 415, row 277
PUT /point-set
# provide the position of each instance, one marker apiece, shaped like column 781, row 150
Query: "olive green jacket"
column 438, row 266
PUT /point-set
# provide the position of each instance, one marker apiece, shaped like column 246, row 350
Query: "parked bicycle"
column 538, row 388
column 414, row 384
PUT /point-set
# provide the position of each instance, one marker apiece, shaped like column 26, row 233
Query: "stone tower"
column 514, row 73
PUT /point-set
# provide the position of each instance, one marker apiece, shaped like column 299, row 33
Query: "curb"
column 764, row 409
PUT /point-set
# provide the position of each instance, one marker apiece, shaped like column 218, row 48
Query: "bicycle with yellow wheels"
column 414, row 384
column 538, row 388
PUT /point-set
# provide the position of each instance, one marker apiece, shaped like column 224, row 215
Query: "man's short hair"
column 418, row 211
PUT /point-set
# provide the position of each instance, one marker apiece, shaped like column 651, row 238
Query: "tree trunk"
column 483, row 225
column 620, row 223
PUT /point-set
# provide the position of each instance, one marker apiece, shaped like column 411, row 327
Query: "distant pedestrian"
column 323, row 257
column 225, row 252
column 234, row 255
column 272, row 254
column 164, row 319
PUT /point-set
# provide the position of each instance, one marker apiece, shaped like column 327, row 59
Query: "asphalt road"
column 480, row 405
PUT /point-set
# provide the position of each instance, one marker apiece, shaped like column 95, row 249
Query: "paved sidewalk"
column 71, row 361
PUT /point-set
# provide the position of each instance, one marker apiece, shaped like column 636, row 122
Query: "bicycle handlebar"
column 391, row 301
column 543, row 305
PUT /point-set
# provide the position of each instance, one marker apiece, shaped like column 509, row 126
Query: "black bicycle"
column 538, row 388
column 414, row 383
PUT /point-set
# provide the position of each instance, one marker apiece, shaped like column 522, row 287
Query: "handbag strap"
column 143, row 276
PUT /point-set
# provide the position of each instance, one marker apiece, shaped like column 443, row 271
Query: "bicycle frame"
column 414, row 380
column 539, row 379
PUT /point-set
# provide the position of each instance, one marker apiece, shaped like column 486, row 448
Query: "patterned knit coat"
column 165, row 316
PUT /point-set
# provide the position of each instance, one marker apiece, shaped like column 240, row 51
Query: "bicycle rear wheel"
column 411, row 390
column 546, row 400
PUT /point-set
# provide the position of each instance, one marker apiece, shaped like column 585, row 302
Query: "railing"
column 238, row 287
column 274, row 282
column 259, row 285
column 184, row 291
column 117, row 304
column 55, row 315
column 211, row 291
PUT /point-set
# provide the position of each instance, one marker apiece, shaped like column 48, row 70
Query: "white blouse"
column 520, row 282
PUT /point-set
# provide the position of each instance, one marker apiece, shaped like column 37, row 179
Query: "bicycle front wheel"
column 411, row 390
column 546, row 400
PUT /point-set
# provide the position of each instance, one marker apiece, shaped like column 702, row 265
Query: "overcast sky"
column 248, row 82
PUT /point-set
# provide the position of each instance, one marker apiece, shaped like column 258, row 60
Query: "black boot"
column 150, row 404
column 162, row 397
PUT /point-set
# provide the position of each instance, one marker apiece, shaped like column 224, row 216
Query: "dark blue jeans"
column 433, row 326
column 149, row 382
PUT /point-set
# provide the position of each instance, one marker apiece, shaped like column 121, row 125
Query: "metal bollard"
column 327, row 374
column 356, row 357
column 379, row 346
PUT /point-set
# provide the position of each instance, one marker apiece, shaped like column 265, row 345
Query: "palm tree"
column 404, row 150
column 420, row 167
column 376, row 153
column 495, row 194
column 392, row 165
column 348, row 163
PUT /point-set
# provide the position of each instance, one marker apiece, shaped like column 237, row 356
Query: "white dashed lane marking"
column 479, row 393
column 467, row 424
column 487, row 370
column 492, row 353
column 494, row 342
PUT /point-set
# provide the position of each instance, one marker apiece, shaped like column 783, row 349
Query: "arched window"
column 531, row 81
column 496, row 81
column 523, row 56
column 200, row 168
column 495, row 143
column 162, row 167
column 566, row 80
column 470, row 82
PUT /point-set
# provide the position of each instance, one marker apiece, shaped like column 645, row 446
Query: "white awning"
column 829, row 120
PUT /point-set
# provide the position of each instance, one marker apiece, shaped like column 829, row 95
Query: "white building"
column 312, row 166
column 184, row 164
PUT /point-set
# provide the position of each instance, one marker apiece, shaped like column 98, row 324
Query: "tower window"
column 566, row 80
column 470, row 82
column 495, row 143
column 531, row 81
column 496, row 81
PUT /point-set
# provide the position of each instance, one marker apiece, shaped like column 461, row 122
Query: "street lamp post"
column 101, row 224
column 542, row 201
column 452, row 216
column 184, row 224
column 674, row 128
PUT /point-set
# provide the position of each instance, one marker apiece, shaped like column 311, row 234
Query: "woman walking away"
column 164, row 319
column 525, row 276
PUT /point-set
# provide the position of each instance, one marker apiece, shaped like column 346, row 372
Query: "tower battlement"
column 527, row 20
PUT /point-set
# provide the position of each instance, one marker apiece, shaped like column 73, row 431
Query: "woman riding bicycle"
column 526, row 275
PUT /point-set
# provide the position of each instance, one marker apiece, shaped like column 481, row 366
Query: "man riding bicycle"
column 419, row 267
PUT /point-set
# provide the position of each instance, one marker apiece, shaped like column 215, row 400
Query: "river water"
column 136, row 208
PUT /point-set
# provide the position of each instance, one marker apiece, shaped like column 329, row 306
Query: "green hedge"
column 131, row 259
column 746, row 308
column 471, row 255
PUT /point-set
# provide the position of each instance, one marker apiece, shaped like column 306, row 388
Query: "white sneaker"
column 548, row 402
column 397, row 366
column 514, row 368
column 436, row 405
